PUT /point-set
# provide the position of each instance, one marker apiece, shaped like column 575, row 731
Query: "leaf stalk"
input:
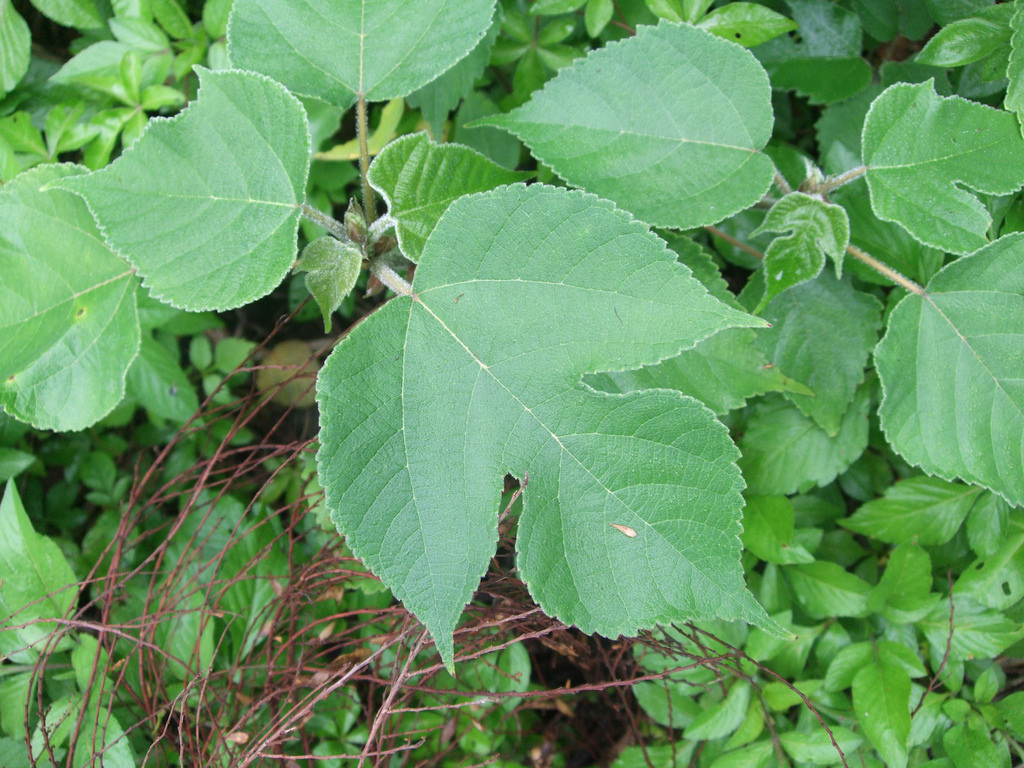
column 883, row 269
column 369, row 200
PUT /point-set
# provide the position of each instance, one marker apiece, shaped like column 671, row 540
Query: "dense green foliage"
column 720, row 310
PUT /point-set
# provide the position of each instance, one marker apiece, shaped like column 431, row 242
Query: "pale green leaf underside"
column 669, row 124
column 427, row 404
column 952, row 371
column 419, row 180
column 69, row 327
column 214, row 193
column 921, row 150
column 336, row 49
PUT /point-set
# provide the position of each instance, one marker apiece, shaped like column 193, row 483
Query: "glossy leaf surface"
column 427, row 404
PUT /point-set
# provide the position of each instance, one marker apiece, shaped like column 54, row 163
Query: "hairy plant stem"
column 321, row 219
column 389, row 277
column 892, row 274
column 835, row 182
column 782, row 184
column 369, row 201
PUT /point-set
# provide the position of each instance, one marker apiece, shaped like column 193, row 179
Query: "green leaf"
column 554, row 7
column 977, row 632
column 477, row 374
column 419, row 180
column 608, row 125
column 80, row 14
column 722, row 718
column 337, row 50
column 802, row 344
column 920, row 149
column 925, row 510
column 846, row 664
column 13, row 463
column 953, row 375
column 997, row 581
column 826, row 64
column 38, row 582
column 67, row 307
column 439, row 97
column 768, row 531
column 817, row 748
column 815, row 228
column 215, row 193
column 15, row 42
column 748, row 24
column 785, row 451
column 597, row 16
column 332, row 269
column 825, row 589
column 970, row 39
column 881, row 696
column 1014, row 101
column 971, row 745
column 906, row 582
column 988, row 523
column 157, row 382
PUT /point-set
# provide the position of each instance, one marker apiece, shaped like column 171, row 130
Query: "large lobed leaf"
column 69, row 327
column 669, row 124
column 428, row 403
column 921, row 148
column 952, row 371
column 335, row 50
column 215, row 193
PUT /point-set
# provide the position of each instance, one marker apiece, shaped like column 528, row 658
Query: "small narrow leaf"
column 337, row 50
column 952, row 371
column 478, row 375
column 332, row 268
column 971, row 39
column 816, row 229
column 645, row 122
column 922, row 149
column 419, row 180
column 69, row 326
column 215, row 193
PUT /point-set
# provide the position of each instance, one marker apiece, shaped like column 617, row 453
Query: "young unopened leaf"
column 336, row 50
column 332, row 268
column 419, row 180
column 952, row 371
column 646, row 122
column 815, row 228
column 427, row 404
column 921, row 150
column 69, row 326
column 215, row 193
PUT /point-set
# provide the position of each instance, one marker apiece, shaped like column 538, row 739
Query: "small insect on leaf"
column 625, row 529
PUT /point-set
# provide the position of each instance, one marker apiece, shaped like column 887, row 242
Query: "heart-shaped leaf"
column 335, row 50
column 215, row 193
column 428, row 403
column 648, row 123
column 952, row 371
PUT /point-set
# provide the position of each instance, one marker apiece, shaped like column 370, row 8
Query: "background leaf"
column 881, row 699
column 607, row 124
column 921, row 148
column 68, row 315
column 215, row 193
column 802, row 344
column 336, row 49
column 952, row 370
column 419, row 180
column 511, row 305
column 15, row 42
